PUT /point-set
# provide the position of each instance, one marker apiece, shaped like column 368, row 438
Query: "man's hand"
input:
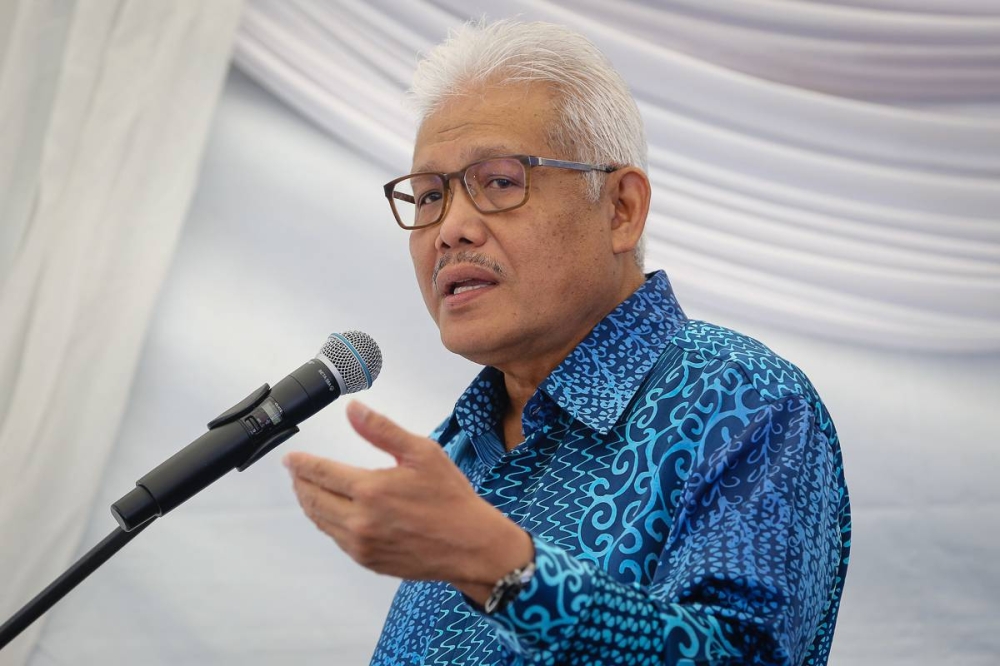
column 419, row 520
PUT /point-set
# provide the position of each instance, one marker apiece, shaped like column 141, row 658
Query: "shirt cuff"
column 572, row 612
column 544, row 616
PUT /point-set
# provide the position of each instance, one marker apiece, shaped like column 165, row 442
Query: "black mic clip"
column 243, row 410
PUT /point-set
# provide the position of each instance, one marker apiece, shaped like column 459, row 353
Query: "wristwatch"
column 508, row 587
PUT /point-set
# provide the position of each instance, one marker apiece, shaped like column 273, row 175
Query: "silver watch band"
column 508, row 587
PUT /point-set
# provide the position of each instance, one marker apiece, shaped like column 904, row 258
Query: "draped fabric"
column 103, row 115
column 825, row 178
column 834, row 167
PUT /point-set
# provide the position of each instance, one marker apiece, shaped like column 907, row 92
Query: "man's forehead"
column 486, row 121
column 464, row 155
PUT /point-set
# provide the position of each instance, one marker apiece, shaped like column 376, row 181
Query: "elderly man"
column 619, row 485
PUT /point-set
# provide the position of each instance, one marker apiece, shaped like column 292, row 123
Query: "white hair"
column 599, row 120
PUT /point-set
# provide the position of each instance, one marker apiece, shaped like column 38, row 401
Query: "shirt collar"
column 479, row 409
column 597, row 381
column 599, row 378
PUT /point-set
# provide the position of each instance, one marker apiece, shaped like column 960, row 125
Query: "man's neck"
column 523, row 376
column 519, row 391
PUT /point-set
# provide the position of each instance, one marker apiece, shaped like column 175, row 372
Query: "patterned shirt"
column 684, row 490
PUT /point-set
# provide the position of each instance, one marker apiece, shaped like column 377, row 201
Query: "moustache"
column 467, row 257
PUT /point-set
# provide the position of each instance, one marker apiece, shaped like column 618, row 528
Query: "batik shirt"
column 684, row 490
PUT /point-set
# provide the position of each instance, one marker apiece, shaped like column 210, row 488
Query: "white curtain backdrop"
column 826, row 178
column 104, row 108
column 783, row 191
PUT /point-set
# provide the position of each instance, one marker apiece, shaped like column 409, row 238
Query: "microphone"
column 244, row 433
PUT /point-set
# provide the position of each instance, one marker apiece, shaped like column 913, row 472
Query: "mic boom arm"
column 237, row 438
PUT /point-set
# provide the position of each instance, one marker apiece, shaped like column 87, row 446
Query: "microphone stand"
column 138, row 508
column 61, row 586
column 236, row 439
column 215, row 452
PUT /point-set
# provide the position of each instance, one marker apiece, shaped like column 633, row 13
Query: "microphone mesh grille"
column 356, row 357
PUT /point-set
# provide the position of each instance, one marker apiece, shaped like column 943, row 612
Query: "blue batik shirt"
column 684, row 490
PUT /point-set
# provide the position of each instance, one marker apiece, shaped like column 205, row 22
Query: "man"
column 620, row 485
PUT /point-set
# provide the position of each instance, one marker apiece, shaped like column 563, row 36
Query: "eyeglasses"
column 494, row 185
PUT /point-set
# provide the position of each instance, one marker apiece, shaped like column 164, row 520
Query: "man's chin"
column 479, row 347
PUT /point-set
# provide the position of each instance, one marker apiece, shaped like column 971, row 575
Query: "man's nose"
column 462, row 223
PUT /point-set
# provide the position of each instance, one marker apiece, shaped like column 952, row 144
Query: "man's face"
column 536, row 279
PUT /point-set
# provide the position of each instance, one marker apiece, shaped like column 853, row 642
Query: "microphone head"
column 355, row 357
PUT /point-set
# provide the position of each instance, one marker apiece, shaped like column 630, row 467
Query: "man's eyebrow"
column 469, row 156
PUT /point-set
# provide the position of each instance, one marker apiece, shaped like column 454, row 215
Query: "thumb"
column 382, row 431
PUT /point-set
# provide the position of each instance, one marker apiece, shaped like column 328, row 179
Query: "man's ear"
column 630, row 194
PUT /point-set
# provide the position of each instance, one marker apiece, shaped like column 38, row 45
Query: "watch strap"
column 508, row 587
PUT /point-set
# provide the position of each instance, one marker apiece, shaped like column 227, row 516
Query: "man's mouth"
column 468, row 285
column 463, row 273
column 458, row 279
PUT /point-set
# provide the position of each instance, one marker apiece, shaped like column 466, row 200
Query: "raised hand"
column 419, row 520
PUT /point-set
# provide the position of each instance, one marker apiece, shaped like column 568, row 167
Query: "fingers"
column 344, row 520
column 329, row 511
column 383, row 432
column 333, row 476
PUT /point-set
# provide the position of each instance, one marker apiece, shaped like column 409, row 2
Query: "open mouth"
column 461, row 281
column 463, row 286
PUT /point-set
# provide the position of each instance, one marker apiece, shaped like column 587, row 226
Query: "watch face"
column 508, row 587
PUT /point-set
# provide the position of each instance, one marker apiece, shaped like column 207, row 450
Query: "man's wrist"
column 510, row 550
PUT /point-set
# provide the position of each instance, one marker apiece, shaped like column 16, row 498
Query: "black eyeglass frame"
column 528, row 161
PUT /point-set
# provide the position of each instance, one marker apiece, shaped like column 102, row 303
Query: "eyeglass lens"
column 493, row 185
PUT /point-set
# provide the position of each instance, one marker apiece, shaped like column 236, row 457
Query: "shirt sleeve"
column 745, row 576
